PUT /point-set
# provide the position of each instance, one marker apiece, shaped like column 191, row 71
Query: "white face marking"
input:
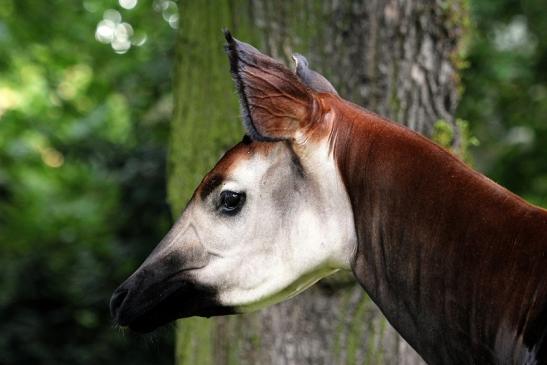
column 292, row 230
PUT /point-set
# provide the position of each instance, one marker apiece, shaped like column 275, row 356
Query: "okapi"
column 456, row 262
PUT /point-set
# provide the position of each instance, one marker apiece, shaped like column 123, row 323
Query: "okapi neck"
column 451, row 258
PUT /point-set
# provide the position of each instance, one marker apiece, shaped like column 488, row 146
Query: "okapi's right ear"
column 312, row 79
column 274, row 103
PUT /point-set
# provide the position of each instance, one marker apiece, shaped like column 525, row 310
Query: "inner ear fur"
column 274, row 103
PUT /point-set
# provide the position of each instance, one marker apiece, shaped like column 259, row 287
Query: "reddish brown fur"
column 269, row 93
column 456, row 262
column 243, row 150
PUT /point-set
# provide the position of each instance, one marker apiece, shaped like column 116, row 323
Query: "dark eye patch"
column 211, row 184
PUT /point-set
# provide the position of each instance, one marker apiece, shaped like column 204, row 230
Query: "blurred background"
column 86, row 99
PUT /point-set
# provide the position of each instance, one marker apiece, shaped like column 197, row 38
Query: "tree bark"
column 395, row 57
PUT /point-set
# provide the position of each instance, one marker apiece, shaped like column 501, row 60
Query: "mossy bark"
column 394, row 57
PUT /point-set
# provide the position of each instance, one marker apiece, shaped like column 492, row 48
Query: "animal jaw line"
column 302, row 283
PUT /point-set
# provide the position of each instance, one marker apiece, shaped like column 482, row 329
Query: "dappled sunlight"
column 121, row 36
column 169, row 11
column 26, row 88
column 51, row 157
column 111, row 30
column 74, row 81
column 128, row 4
column 514, row 36
column 9, row 99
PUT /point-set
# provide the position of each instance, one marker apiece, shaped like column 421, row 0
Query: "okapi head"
column 268, row 221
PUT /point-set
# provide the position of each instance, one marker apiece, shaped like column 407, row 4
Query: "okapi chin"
column 457, row 263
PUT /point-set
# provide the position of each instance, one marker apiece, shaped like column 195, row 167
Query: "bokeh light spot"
column 9, row 99
column 113, row 15
column 139, row 39
column 121, row 42
column 169, row 11
column 105, row 31
column 91, row 6
column 120, row 35
column 51, row 157
column 128, row 4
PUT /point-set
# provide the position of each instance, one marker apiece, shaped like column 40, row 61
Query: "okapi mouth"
column 145, row 310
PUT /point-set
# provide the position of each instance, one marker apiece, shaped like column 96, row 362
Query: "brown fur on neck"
column 457, row 263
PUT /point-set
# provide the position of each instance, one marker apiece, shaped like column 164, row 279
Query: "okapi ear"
column 274, row 103
column 312, row 79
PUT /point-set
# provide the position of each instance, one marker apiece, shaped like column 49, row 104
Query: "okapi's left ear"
column 274, row 103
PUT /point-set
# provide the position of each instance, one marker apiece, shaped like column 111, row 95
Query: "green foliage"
column 443, row 134
column 456, row 14
column 505, row 96
column 82, row 166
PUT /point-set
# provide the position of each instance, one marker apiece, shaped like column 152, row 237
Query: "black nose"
column 116, row 303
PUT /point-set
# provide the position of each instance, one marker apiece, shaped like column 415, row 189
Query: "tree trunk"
column 398, row 58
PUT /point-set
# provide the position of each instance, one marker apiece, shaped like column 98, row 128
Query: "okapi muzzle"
column 163, row 289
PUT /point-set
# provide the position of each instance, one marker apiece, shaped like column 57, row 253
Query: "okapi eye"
column 231, row 202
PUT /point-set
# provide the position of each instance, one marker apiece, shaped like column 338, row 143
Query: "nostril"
column 116, row 301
